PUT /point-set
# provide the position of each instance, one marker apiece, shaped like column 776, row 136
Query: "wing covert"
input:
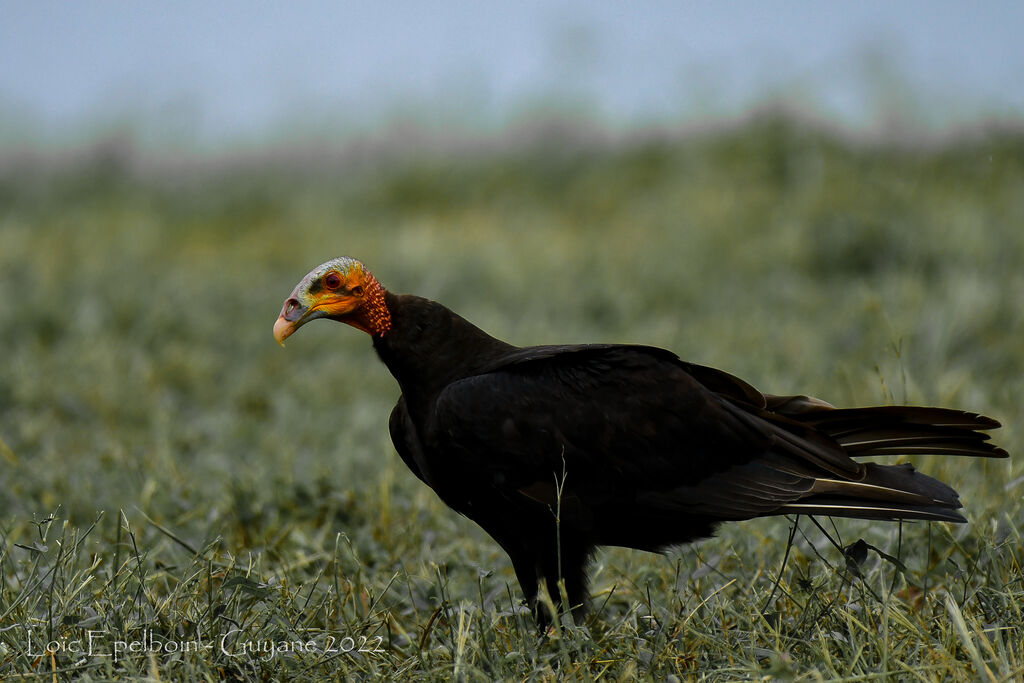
column 629, row 426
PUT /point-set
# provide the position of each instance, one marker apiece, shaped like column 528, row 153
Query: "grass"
column 174, row 480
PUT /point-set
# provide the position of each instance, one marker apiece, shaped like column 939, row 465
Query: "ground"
column 183, row 499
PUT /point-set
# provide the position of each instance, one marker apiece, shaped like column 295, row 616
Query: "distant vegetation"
column 169, row 470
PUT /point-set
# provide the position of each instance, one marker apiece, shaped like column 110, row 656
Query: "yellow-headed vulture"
column 554, row 450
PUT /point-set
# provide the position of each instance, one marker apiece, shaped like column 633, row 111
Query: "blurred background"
column 200, row 77
column 820, row 197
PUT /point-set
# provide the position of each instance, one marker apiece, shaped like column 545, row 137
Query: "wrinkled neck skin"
column 429, row 346
column 373, row 317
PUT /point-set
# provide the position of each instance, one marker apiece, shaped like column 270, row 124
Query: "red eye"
column 332, row 280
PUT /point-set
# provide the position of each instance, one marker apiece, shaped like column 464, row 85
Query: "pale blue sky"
column 241, row 70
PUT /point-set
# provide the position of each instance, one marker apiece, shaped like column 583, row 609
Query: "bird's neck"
column 428, row 346
column 374, row 316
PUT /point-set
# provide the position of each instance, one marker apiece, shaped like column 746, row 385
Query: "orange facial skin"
column 341, row 289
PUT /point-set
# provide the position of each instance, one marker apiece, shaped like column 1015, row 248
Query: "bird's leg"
column 575, row 598
column 544, row 561
column 525, row 567
column 572, row 563
column 528, row 572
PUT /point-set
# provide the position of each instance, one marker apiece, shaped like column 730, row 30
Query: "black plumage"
column 555, row 450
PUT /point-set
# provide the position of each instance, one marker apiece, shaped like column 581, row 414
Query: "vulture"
column 556, row 450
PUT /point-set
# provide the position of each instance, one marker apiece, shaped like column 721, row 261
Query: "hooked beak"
column 293, row 316
column 288, row 321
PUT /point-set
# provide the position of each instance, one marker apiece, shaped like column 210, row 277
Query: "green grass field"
column 184, row 500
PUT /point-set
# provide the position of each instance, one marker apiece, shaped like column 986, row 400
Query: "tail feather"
column 838, row 507
column 833, row 420
column 884, row 492
column 895, row 491
column 950, row 449
column 896, row 430
column 809, row 468
column 893, row 484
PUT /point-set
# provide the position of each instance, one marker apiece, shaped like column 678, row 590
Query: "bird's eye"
column 332, row 280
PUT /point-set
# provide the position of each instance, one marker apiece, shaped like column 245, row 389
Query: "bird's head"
column 341, row 289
